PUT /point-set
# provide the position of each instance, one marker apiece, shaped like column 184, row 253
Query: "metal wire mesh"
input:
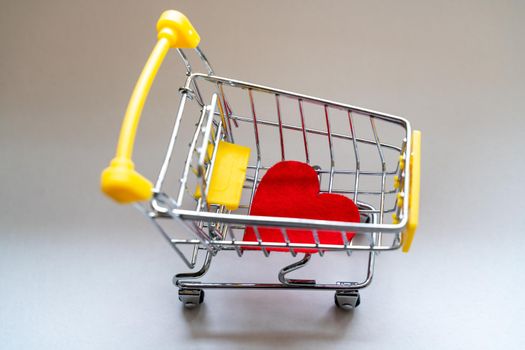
column 356, row 152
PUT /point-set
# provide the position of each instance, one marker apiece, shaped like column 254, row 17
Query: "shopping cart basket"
column 372, row 158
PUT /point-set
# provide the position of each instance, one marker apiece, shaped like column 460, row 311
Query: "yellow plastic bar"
column 413, row 200
column 119, row 180
column 229, row 174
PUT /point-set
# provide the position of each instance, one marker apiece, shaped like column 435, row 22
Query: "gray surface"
column 78, row 272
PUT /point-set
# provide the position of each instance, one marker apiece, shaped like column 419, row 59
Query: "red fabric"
column 291, row 189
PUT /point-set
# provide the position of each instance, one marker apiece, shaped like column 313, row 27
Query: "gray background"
column 78, row 272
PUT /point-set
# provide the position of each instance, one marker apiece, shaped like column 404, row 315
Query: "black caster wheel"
column 347, row 300
column 191, row 297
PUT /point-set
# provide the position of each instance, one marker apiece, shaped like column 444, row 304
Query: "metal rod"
column 234, row 285
column 356, row 154
column 317, row 242
column 255, row 126
column 345, row 242
column 293, row 267
column 340, row 171
column 280, row 126
column 319, row 101
column 232, row 236
column 203, row 58
column 284, row 245
column 187, row 164
column 330, row 146
column 299, row 223
column 259, row 241
column 228, row 114
column 185, row 60
column 171, row 144
column 287, row 240
column 312, row 131
column 197, row 274
column 303, row 127
column 383, row 177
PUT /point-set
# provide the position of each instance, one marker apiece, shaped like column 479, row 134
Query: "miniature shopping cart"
column 202, row 197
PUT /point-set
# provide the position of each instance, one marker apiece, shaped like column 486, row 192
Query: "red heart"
column 291, row 189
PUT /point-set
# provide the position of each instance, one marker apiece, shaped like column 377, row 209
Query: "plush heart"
column 291, row 189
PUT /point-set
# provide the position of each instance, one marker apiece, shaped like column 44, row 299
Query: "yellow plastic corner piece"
column 396, row 181
column 413, row 200
column 177, row 28
column 395, row 219
column 228, row 175
column 122, row 183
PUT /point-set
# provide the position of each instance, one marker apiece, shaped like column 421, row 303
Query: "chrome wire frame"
column 213, row 228
column 181, row 280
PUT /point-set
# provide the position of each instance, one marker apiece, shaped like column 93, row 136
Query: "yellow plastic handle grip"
column 119, row 180
column 413, row 200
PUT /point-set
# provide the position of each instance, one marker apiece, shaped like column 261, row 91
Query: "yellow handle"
column 119, row 180
column 413, row 200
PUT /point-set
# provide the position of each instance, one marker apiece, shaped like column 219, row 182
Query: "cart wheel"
column 191, row 297
column 347, row 300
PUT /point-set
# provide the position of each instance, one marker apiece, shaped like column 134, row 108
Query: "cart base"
column 344, row 299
